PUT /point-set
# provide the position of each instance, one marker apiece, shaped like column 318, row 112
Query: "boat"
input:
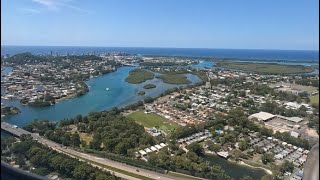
column 107, row 89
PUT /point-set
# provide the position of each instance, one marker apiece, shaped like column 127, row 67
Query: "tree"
column 121, row 148
column 266, row 158
column 148, row 99
column 192, row 156
column 242, row 93
column 286, row 167
column 82, row 172
column 307, row 100
column 79, row 117
column 41, row 171
column 75, row 140
column 299, row 100
column 243, row 145
column 196, row 148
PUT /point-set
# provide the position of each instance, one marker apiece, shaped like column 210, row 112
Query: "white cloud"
column 56, row 5
column 31, row 10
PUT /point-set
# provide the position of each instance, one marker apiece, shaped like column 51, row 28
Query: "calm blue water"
column 120, row 93
column 220, row 53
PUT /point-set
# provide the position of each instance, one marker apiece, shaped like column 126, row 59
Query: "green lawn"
column 174, row 78
column 152, row 120
column 138, row 76
column 266, row 68
column 314, row 99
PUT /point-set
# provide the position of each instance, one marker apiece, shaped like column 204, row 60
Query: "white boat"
column 107, row 89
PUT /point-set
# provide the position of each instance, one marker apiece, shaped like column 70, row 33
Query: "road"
column 71, row 152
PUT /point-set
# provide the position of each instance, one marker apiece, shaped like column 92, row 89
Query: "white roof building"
column 158, row 146
column 262, row 116
column 148, row 150
column 153, row 148
column 142, row 152
column 292, row 105
column 162, row 145
column 294, row 134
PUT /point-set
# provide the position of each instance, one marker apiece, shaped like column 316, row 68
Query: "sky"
column 229, row 24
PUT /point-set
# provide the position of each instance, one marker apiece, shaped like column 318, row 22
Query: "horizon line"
column 317, row 50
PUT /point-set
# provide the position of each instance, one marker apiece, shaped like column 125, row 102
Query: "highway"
column 73, row 153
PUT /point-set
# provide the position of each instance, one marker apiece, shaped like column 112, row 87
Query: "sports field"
column 152, row 120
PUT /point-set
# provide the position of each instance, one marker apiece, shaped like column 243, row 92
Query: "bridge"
column 12, row 129
column 94, row 160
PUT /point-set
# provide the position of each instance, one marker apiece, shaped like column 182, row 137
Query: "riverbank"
column 265, row 169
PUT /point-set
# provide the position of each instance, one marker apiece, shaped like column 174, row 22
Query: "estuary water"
column 119, row 94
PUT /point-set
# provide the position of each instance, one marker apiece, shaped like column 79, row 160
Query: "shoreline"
column 248, row 165
column 241, row 163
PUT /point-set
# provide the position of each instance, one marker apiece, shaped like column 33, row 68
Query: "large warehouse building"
column 264, row 116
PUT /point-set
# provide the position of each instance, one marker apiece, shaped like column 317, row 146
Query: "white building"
column 262, row 116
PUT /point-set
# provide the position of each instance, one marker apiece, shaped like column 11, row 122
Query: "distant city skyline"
column 247, row 24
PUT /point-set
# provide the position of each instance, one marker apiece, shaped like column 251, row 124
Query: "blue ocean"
column 194, row 52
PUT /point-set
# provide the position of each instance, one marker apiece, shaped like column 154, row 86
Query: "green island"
column 265, row 68
column 174, row 71
column 174, row 78
column 138, row 76
column 152, row 120
column 9, row 110
column 141, row 93
column 149, row 86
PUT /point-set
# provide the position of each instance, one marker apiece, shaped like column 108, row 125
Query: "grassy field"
column 149, row 86
column 265, row 68
column 138, row 76
column 174, row 78
column 314, row 99
column 152, row 120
